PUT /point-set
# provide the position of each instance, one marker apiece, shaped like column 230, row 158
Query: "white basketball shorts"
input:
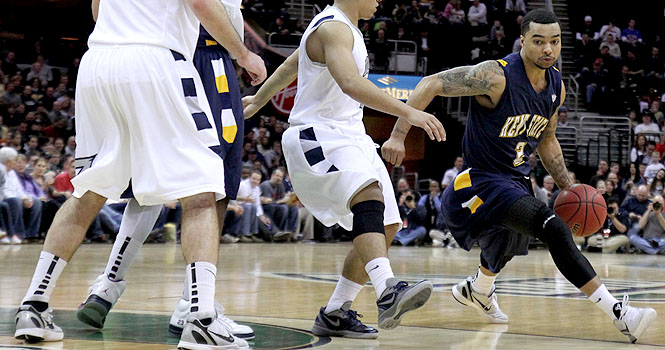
column 328, row 168
column 142, row 115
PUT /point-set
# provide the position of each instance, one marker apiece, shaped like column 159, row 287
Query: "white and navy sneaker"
column 34, row 326
column 214, row 336
column 486, row 305
column 343, row 322
column 102, row 295
column 632, row 321
column 181, row 312
column 400, row 298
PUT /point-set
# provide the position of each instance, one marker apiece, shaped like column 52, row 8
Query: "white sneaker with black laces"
column 632, row 321
column 181, row 312
column 214, row 336
column 486, row 305
column 35, row 326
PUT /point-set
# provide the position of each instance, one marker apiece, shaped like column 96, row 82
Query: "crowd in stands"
column 477, row 30
column 621, row 71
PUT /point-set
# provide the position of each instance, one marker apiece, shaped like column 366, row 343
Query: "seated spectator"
column 276, row 205
column 616, row 189
column 657, row 184
column 457, row 14
column 654, row 70
column 562, row 118
column 499, row 47
column 249, row 198
column 601, row 172
column 633, row 179
column 635, row 206
column 21, row 203
column 653, row 168
column 538, row 192
column 451, row 173
column 70, row 149
column 612, row 236
column 646, row 158
column 647, row 125
column 432, row 204
column 413, row 216
column 548, row 185
column 596, row 81
column 612, row 46
column 589, row 29
column 649, row 235
column 631, row 35
column 381, row 49
column 639, row 149
column 403, row 187
column 611, row 192
column 609, row 29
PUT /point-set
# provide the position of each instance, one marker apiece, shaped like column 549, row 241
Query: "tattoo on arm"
column 480, row 79
column 556, row 167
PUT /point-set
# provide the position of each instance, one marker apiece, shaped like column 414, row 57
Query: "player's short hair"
column 541, row 16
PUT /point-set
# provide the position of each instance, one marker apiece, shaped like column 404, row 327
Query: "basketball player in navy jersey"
column 512, row 114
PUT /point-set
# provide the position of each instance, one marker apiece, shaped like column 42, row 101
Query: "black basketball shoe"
column 342, row 323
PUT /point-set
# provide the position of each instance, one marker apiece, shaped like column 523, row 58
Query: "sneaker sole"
column 183, row 345
column 645, row 322
column 466, row 302
column 36, row 335
column 325, row 332
column 415, row 298
column 92, row 314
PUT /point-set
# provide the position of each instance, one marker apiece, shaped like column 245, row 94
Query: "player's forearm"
column 285, row 74
column 552, row 158
column 365, row 92
column 95, row 9
column 422, row 96
column 215, row 20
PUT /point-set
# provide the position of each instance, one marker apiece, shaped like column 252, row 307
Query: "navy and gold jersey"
column 500, row 140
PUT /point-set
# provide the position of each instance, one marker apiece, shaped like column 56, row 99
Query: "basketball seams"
column 586, row 211
column 591, row 200
column 560, row 205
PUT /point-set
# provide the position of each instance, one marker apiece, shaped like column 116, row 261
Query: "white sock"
column 46, row 275
column 604, row 301
column 483, row 283
column 379, row 271
column 137, row 222
column 346, row 290
column 202, row 289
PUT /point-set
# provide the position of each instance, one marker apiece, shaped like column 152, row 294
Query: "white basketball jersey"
column 235, row 15
column 167, row 23
column 319, row 99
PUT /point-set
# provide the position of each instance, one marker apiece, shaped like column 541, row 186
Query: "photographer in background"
column 649, row 236
column 612, row 236
column 413, row 218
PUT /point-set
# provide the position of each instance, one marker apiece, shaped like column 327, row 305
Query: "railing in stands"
column 302, row 9
column 603, row 137
column 573, row 90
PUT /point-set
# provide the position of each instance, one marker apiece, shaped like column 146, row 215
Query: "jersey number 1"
column 519, row 149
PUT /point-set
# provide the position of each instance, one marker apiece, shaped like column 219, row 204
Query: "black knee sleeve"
column 532, row 217
column 368, row 217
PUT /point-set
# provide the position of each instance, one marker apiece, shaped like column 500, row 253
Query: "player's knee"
column 367, row 217
column 371, row 192
column 548, row 225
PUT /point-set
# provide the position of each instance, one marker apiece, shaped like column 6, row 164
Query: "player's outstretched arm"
column 550, row 152
column 284, row 75
column 215, row 20
column 336, row 41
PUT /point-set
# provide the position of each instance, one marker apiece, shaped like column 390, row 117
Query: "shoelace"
column 228, row 321
column 400, row 285
column 47, row 316
column 624, row 306
column 353, row 316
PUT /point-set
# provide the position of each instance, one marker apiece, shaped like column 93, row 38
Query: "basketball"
column 582, row 208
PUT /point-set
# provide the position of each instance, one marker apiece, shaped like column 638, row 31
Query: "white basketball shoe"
column 179, row 320
column 632, row 321
column 486, row 305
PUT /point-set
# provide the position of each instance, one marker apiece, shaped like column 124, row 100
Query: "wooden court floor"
column 278, row 289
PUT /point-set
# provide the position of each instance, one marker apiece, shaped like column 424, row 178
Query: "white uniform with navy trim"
column 142, row 114
column 329, row 155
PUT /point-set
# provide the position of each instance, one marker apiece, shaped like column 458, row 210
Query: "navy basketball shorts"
column 473, row 207
column 218, row 75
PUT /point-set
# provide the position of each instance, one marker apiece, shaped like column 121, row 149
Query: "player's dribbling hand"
column 250, row 106
column 255, row 66
column 393, row 151
column 427, row 122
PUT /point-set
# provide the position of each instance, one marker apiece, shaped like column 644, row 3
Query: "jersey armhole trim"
column 316, row 27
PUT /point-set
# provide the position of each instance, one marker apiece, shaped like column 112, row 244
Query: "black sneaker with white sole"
column 343, row 322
